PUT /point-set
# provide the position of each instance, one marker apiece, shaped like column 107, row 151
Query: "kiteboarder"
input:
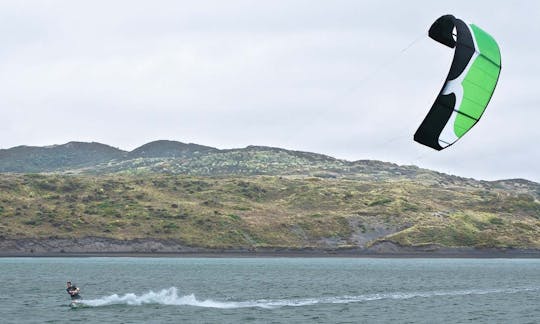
column 73, row 291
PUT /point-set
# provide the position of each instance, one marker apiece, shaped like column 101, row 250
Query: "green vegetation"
column 180, row 158
column 270, row 211
column 254, row 197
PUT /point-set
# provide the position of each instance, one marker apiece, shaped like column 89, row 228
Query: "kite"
column 468, row 87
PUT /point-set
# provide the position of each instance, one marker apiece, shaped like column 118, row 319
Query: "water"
column 271, row 290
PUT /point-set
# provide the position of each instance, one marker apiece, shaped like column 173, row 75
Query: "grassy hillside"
column 272, row 211
column 179, row 158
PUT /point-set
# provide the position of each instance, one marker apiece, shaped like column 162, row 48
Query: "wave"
column 170, row 297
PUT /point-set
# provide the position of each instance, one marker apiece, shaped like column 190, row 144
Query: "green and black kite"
column 468, row 87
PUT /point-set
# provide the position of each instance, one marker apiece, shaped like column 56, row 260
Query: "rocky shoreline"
column 100, row 246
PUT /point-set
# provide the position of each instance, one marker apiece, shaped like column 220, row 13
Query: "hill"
column 173, row 157
column 27, row 159
column 169, row 149
column 76, row 213
column 170, row 197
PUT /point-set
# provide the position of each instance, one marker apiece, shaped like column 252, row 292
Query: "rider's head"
column 69, row 284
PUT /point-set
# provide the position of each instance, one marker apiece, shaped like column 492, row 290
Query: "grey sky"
column 324, row 76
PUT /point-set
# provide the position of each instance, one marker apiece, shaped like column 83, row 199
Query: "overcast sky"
column 351, row 79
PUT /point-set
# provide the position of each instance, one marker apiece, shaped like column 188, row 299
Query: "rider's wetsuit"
column 73, row 296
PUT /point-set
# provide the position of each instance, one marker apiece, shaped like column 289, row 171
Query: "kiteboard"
column 76, row 303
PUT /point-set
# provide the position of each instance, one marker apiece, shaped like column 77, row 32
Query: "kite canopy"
column 468, row 87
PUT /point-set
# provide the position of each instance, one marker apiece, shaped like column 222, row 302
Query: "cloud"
column 345, row 78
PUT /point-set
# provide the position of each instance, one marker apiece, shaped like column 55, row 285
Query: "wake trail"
column 170, row 297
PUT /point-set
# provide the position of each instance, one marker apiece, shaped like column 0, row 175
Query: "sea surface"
column 271, row 290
